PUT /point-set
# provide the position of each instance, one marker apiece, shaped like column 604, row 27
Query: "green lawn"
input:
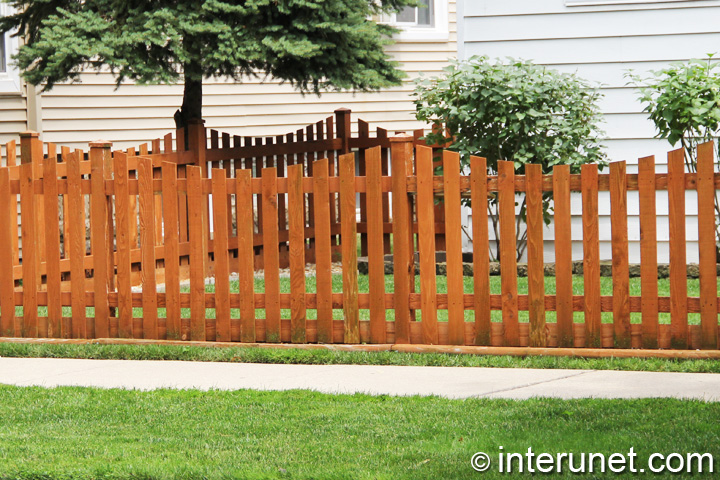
column 328, row 357
column 80, row 433
column 363, row 283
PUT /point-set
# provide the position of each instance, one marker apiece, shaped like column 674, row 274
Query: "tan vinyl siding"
column 74, row 114
column 13, row 117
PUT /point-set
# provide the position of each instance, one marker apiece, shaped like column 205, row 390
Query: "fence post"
column 401, row 150
column 30, row 159
column 344, row 125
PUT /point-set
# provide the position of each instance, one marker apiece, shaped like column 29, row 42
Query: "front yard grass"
column 74, row 433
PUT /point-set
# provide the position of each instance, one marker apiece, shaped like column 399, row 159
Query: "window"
column 421, row 16
column 428, row 21
column 9, row 76
column 3, row 67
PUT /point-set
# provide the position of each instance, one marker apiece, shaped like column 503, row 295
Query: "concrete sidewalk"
column 451, row 382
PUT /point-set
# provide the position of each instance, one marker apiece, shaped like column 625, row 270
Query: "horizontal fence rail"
column 121, row 232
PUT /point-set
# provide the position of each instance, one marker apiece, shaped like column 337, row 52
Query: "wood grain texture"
column 323, row 254
column 11, row 161
column 221, row 255
column 481, row 246
column 246, row 256
column 271, row 258
column 8, row 210
column 29, row 320
column 678, row 258
column 426, row 245
column 563, row 254
column 591, row 254
column 402, row 151
column 172, row 250
column 76, row 220
column 52, row 246
column 453, row 244
column 296, row 225
column 648, row 251
column 198, row 253
column 124, row 246
column 620, row 256
column 535, row 262
column 707, row 246
column 99, row 242
column 147, row 243
column 375, row 240
column 348, row 234
column 508, row 261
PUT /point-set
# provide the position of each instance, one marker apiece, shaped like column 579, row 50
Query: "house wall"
column 13, row 118
column 73, row 114
column 601, row 41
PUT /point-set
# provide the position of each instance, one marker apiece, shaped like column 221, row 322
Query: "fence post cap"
column 342, row 110
column 196, row 121
column 29, row 134
column 100, row 144
column 401, row 137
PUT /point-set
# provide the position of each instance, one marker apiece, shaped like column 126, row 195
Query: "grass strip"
column 328, row 357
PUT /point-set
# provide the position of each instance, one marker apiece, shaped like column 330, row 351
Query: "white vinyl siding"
column 601, row 42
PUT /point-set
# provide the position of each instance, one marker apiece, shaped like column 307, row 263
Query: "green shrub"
column 513, row 111
column 683, row 101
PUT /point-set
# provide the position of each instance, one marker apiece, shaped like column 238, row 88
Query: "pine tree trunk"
column 192, row 103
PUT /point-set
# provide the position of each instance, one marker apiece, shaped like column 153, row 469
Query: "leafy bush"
column 513, row 111
column 683, row 101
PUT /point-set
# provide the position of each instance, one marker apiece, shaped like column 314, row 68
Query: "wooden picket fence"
column 159, row 194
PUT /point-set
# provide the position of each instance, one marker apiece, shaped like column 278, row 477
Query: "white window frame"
column 413, row 32
column 9, row 79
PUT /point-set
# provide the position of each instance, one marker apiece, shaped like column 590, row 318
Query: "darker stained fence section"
column 103, row 230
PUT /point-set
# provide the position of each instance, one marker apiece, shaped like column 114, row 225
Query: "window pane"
column 3, row 67
column 407, row 15
column 425, row 13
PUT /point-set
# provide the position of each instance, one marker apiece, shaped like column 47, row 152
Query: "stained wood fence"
column 122, row 192
column 210, row 150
